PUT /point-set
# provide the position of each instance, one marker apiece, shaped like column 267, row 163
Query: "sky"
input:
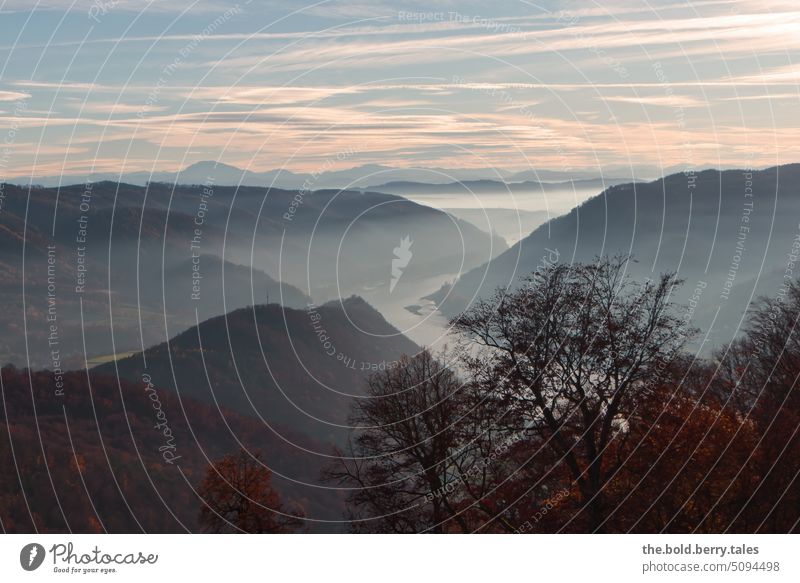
column 617, row 86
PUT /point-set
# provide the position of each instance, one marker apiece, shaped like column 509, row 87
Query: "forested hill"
column 291, row 368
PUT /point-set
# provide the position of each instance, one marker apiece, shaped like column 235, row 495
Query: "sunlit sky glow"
column 127, row 86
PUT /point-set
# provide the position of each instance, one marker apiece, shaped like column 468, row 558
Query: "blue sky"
column 122, row 86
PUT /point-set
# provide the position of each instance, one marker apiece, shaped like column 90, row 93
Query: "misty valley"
column 171, row 325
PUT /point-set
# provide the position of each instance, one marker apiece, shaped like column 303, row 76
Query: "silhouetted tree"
column 404, row 464
column 573, row 352
column 759, row 373
column 578, row 410
column 238, row 497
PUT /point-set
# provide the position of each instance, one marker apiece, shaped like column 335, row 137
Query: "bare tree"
column 759, row 373
column 571, row 352
column 403, row 464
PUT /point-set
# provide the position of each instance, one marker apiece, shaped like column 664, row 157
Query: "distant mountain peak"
column 210, row 164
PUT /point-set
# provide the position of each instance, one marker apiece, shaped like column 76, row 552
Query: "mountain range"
column 225, row 174
column 470, row 187
column 119, row 267
column 731, row 235
column 365, row 176
column 254, row 361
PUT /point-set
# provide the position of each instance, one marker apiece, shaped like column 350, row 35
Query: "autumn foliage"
column 582, row 411
column 572, row 404
column 238, row 497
